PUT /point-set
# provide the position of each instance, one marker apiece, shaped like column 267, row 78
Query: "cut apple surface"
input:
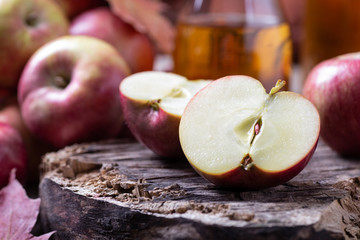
column 236, row 135
column 153, row 103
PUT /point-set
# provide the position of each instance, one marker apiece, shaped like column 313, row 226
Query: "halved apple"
column 153, row 103
column 236, row 135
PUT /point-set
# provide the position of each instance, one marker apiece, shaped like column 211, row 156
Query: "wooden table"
column 119, row 189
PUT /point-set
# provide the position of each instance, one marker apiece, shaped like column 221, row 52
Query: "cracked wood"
column 118, row 189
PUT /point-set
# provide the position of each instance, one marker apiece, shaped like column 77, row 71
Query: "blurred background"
column 319, row 30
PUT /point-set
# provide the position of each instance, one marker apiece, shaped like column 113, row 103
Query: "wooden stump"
column 119, row 189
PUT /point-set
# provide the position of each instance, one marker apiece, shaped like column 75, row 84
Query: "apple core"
column 255, row 123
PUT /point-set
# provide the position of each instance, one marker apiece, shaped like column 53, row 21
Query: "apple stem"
column 61, row 81
column 31, row 19
column 279, row 84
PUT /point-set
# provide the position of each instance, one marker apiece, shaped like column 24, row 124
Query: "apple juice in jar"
column 218, row 44
column 333, row 33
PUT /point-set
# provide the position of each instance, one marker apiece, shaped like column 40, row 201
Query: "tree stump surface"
column 118, row 189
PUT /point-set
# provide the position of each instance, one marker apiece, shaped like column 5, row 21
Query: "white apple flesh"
column 236, row 135
column 153, row 103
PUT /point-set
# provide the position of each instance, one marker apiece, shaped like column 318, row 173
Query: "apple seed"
column 257, row 129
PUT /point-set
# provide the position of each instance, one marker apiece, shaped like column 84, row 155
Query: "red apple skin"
column 72, row 8
column 10, row 114
column 255, row 178
column 333, row 86
column 88, row 107
column 102, row 23
column 24, row 27
column 156, row 129
column 12, row 154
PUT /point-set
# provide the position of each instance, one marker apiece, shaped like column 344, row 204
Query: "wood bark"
column 119, row 189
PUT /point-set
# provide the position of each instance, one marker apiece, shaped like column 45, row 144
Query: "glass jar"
column 332, row 28
column 216, row 38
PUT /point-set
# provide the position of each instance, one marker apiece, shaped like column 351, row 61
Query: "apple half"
column 236, row 135
column 152, row 103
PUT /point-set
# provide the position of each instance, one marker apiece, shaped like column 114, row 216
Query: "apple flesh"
column 153, row 103
column 24, row 27
column 334, row 86
column 236, row 135
column 102, row 23
column 12, row 154
column 68, row 91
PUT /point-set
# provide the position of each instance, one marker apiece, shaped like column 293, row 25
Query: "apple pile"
column 236, row 135
column 61, row 63
column 71, row 72
column 334, row 87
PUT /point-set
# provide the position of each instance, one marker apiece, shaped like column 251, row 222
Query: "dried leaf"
column 18, row 212
column 146, row 17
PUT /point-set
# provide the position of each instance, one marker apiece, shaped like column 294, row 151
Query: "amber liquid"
column 333, row 33
column 213, row 46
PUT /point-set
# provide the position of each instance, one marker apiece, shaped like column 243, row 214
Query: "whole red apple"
column 24, row 27
column 68, row 91
column 12, row 154
column 334, row 86
column 73, row 8
column 134, row 46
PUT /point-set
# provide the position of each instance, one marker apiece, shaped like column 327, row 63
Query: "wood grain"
column 118, row 189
